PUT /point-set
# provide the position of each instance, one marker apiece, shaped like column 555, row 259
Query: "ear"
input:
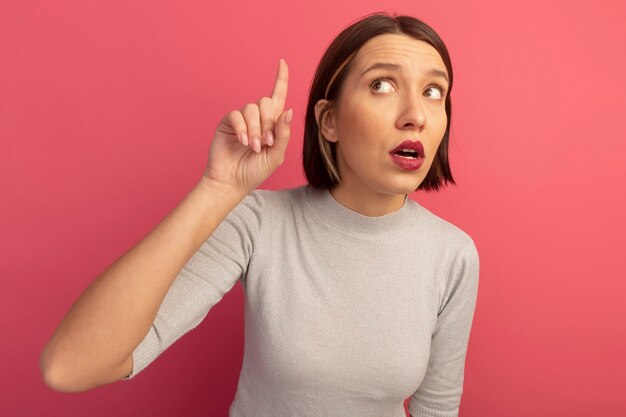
column 326, row 119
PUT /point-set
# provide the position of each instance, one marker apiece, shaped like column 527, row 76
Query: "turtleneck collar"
column 338, row 217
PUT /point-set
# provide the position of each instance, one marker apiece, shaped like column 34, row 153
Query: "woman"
column 356, row 296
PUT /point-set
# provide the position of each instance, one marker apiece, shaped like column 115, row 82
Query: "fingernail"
column 256, row 144
column 269, row 138
column 244, row 138
column 289, row 116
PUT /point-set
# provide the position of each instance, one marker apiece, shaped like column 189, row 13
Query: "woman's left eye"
column 434, row 91
column 382, row 85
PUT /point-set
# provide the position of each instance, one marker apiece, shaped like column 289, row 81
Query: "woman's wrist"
column 223, row 190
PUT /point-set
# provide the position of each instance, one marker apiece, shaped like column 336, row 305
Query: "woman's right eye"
column 382, row 85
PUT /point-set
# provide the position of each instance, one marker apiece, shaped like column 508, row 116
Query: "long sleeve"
column 344, row 312
column 209, row 274
column 439, row 395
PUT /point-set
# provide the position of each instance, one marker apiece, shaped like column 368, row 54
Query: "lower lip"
column 410, row 164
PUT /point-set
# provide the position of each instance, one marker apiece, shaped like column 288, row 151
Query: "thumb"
column 282, row 132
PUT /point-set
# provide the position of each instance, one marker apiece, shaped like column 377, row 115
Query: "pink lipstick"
column 408, row 155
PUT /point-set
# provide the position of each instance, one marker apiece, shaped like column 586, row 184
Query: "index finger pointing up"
column 279, row 94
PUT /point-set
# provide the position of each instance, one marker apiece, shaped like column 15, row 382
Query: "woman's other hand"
column 250, row 143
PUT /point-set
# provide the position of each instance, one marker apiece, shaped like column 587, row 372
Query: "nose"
column 412, row 114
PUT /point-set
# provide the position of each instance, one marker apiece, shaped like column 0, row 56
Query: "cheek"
column 350, row 125
column 439, row 122
column 357, row 123
column 438, row 129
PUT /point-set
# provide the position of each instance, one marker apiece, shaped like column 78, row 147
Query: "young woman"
column 356, row 297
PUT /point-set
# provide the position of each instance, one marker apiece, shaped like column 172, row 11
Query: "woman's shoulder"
column 443, row 231
column 260, row 210
column 274, row 201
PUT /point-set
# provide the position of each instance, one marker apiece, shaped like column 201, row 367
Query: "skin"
column 372, row 117
column 263, row 130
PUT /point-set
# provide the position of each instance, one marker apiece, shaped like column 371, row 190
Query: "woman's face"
column 394, row 92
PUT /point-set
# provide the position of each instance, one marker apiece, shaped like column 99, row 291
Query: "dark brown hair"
column 318, row 155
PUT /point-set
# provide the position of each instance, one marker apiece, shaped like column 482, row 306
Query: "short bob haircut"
column 318, row 155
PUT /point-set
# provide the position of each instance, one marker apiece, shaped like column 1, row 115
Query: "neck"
column 368, row 203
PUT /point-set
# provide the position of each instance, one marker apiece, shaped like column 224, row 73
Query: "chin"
column 406, row 186
column 396, row 189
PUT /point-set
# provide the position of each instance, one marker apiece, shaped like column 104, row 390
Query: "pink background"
column 106, row 114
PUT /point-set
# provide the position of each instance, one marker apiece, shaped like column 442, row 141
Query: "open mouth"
column 407, row 153
column 409, row 149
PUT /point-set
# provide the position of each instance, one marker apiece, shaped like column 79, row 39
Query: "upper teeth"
column 408, row 150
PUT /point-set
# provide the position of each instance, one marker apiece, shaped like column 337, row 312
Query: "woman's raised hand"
column 250, row 143
column 94, row 343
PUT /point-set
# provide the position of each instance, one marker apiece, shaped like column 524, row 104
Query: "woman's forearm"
column 93, row 345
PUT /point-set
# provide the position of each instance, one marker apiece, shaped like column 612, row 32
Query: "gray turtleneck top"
column 345, row 315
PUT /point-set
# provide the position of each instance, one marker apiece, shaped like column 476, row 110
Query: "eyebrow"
column 433, row 72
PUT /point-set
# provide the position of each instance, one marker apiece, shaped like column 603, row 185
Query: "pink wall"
column 106, row 113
